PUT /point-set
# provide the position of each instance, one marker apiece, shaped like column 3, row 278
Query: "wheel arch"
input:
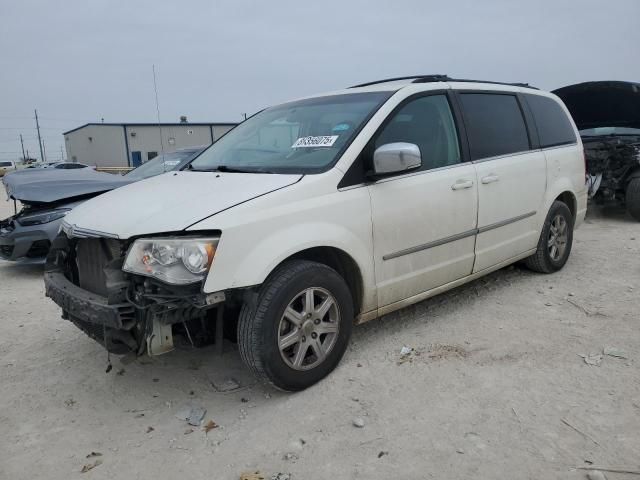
column 569, row 199
column 341, row 262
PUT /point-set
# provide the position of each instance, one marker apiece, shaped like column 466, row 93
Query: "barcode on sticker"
column 311, row 142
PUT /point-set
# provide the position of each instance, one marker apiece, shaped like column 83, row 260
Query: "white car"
column 322, row 213
column 6, row 166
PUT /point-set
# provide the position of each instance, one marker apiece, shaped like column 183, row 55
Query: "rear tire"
column 633, row 198
column 556, row 238
column 297, row 329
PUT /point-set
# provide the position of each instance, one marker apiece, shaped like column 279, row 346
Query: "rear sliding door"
column 511, row 176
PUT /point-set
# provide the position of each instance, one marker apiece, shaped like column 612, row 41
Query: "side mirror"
column 396, row 157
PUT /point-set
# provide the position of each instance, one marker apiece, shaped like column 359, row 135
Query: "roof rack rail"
column 513, row 84
column 435, row 78
column 440, row 78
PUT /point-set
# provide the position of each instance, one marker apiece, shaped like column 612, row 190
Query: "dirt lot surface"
column 494, row 389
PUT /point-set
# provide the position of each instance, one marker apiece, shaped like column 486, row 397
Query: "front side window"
column 495, row 125
column 428, row 123
column 306, row 136
column 553, row 125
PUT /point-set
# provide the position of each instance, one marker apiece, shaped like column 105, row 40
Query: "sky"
column 79, row 61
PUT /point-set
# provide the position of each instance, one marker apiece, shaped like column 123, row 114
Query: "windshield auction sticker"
column 313, row 142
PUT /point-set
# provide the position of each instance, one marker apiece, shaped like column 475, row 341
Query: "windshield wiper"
column 228, row 169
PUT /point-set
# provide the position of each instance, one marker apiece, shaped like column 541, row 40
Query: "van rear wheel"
column 633, row 198
column 556, row 239
column 297, row 330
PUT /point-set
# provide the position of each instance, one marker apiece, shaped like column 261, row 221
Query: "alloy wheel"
column 558, row 237
column 308, row 329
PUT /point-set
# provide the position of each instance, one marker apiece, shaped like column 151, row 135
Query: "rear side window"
column 553, row 125
column 495, row 125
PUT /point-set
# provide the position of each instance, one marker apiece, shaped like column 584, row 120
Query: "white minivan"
column 321, row 213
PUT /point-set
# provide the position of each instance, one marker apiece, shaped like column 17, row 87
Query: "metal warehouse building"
column 130, row 144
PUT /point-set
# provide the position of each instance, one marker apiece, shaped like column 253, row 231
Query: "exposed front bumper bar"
column 84, row 305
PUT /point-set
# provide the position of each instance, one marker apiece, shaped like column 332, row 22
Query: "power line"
column 25, row 128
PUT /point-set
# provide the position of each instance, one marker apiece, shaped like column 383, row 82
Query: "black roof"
column 177, row 124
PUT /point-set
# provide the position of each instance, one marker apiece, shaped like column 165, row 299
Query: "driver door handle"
column 490, row 178
column 462, row 184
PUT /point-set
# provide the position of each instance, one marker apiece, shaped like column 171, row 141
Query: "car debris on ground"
column 192, row 414
column 358, row 422
column 614, row 352
column 90, row 466
column 225, row 385
column 593, row 359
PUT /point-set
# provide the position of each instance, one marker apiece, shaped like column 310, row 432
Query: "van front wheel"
column 556, row 238
column 297, row 329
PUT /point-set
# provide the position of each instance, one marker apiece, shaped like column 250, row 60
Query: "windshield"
column 595, row 132
column 161, row 164
column 306, row 136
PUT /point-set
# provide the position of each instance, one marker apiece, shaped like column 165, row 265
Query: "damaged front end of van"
column 128, row 295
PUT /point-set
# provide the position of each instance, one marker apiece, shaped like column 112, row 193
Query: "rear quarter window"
column 554, row 127
column 495, row 125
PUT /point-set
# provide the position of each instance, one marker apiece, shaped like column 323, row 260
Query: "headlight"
column 176, row 260
column 42, row 217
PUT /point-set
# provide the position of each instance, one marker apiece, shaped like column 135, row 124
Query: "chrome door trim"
column 435, row 243
column 506, row 155
column 493, row 226
column 458, row 236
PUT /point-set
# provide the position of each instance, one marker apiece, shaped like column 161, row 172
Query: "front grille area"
column 93, row 255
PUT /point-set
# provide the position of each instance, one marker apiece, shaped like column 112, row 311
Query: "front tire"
column 556, row 239
column 632, row 198
column 297, row 330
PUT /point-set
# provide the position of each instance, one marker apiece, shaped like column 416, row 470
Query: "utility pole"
column 22, row 143
column 61, row 153
column 44, row 150
column 39, row 138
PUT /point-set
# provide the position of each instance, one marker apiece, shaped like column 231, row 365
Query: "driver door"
column 424, row 220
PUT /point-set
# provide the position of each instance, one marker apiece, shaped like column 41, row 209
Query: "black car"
column 607, row 115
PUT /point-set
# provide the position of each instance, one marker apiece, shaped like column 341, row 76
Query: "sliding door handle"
column 462, row 184
column 490, row 178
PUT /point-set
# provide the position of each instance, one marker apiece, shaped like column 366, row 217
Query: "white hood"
column 171, row 202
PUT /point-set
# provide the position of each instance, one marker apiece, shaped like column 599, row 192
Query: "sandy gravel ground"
column 495, row 389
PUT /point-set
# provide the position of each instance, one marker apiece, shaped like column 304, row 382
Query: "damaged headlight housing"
column 41, row 218
column 175, row 260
